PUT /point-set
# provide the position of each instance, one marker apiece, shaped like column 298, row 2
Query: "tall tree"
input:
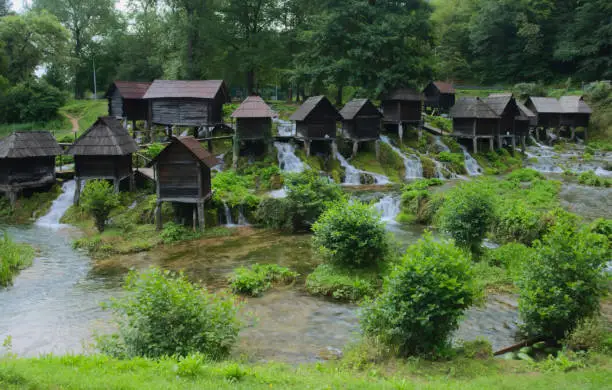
column 85, row 19
column 5, row 7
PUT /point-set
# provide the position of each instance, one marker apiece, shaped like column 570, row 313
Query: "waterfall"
column 471, row 165
column 388, row 207
column 219, row 167
column 441, row 169
column 229, row 220
column 352, row 175
column 441, row 144
column 285, row 128
column 412, row 165
column 287, row 159
column 58, row 207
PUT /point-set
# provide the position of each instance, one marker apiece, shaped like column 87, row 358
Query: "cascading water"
column 388, row 207
column 441, row 145
column 287, row 159
column 352, row 175
column 58, row 207
column 229, row 220
column 570, row 157
column 471, row 165
column 219, row 167
column 285, row 128
column 412, row 165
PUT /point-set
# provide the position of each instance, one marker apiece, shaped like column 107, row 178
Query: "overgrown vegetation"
column 28, row 207
column 257, row 279
column 164, row 314
column 589, row 178
column 13, row 258
column 99, row 199
column 417, row 203
column 342, row 283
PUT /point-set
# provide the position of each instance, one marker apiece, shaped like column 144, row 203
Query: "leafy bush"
column 351, row 235
column 99, row 199
column 525, row 175
column 33, row 100
column 517, row 222
column 259, row 278
column 467, row 214
column 589, row 178
column 476, row 349
column 164, row 314
column 275, row 213
column 512, row 257
column 415, row 198
column 456, row 161
column 592, row 333
column 13, row 258
column 341, row 283
column 562, row 284
column 524, row 90
column 153, row 150
column 602, row 226
column 173, row 232
column 234, row 190
column 422, row 299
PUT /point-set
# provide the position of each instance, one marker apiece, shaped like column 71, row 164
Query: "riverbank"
column 102, row 372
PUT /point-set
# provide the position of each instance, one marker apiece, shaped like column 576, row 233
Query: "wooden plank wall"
column 178, row 174
column 180, row 112
column 116, row 104
column 25, row 170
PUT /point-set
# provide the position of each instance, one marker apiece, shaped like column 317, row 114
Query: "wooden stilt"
column 355, row 148
column 209, row 144
column 116, row 185
column 201, row 216
column 400, row 132
column 377, row 148
column 12, row 196
column 475, row 144
column 236, row 152
column 77, row 191
column 158, row 216
column 491, row 147
column 194, row 219
column 523, row 150
column 513, row 144
column 132, row 182
column 307, row 147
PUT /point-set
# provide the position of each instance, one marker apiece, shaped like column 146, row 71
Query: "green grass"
column 13, row 258
column 85, row 111
column 259, row 278
column 58, row 126
column 283, row 108
column 366, row 160
column 28, row 208
column 101, row 372
column 343, row 284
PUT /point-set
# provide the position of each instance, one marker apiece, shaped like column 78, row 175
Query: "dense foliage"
column 343, row 284
column 165, row 315
column 422, row 299
column 13, row 258
column 563, row 282
column 99, row 199
column 256, row 280
column 351, row 235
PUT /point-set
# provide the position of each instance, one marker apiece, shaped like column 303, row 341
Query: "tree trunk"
column 290, row 94
column 78, row 92
column 250, row 81
column 339, row 96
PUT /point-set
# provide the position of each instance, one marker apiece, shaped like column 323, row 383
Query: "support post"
column 116, row 185
column 355, row 148
column 195, row 132
column 491, row 147
column 573, row 133
column 523, row 150
column 201, row 219
column 499, row 142
column 236, row 152
column 377, row 148
column 307, row 147
column 134, row 128
column 132, row 182
column 400, row 132
column 158, row 216
column 334, row 149
column 12, row 195
column 210, row 145
column 513, row 144
column 475, row 144
column 77, row 190
column 194, row 219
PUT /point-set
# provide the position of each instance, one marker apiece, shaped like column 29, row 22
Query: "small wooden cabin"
column 473, row 119
column 576, row 113
column 361, row 121
column 195, row 103
column 253, row 123
column 104, row 151
column 504, row 105
column 126, row 100
column 439, row 95
column 316, row 120
column 547, row 110
column 27, row 160
column 402, row 106
column 183, row 172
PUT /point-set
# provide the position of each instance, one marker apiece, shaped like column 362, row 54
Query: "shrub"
column 234, row 190
column 153, row 150
column 164, row 314
column 467, row 214
column 99, row 200
column 456, row 161
column 173, row 232
column 589, row 178
column 341, row 283
column 33, row 100
column 562, row 284
column 259, row 278
column 275, row 213
column 13, row 258
column 422, row 299
column 351, row 234
column 602, row 226
column 415, row 198
column 512, row 257
column 591, row 333
column 524, row 90
column 476, row 349
column 517, row 222
column 525, row 175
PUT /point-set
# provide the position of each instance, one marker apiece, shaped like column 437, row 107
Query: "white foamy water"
column 285, row 128
column 287, row 159
column 59, row 207
column 412, row 164
column 571, row 158
column 229, row 220
column 471, row 165
column 388, row 207
column 441, row 145
column 352, row 175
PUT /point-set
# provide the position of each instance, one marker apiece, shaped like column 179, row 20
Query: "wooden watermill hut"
column 504, row 105
column 316, row 121
column 191, row 103
column 524, row 122
column 183, row 172
column 474, row 120
column 27, row 160
column 104, row 151
column 576, row 113
column 253, row 123
column 439, row 95
column 402, row 106
column 361, row 122
column 547, row 111
column 126, row 101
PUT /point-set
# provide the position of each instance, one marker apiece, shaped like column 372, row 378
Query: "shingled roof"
column 525, row 111
column 106, row 137
column 574, row 105
column 197, row 89
column 129, row 89
column 472, row 107
column 546, row 105
column 24, row 144
column 405, row 94
column 309, row 105
column 352, row 108
column 253, row 107
column 498, row 102
column 444, row 87
column 194, row 147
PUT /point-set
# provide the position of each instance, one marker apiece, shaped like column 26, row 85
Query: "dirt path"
column 74, row 121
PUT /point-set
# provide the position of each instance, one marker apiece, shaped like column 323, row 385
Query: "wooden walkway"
column 434, row 130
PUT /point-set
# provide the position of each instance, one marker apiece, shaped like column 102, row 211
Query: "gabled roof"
column 129, row 89
column 574, row 105
column 253, row 107
column 525, row 111
column 197, row 89
column 106, row 137
column 309, row 105
column 403, row 94
column 472, row 107
column 499, row 102
column 546, row 105
column 24, row 144
column 352, row 108
column 444, row 87
column 194, row 147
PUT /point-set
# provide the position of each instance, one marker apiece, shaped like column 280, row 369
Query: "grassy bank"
column 101, row 372
column 13, row 258
column 28, row 208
